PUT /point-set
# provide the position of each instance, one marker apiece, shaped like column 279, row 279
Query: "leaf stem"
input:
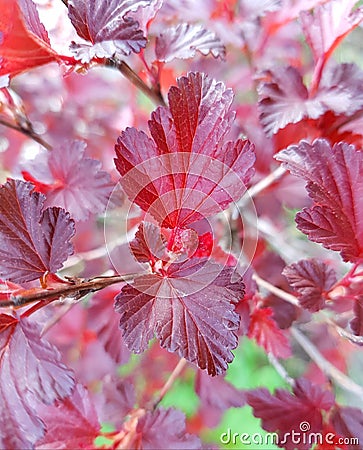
column 326, row 366
column 27, row 132
column 170, row 381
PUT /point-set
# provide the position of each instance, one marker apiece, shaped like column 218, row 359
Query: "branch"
column 127, row 72
column 78, row 289
column 327, row 367
column 275, row 290
column 27, row 132
column 280, row 369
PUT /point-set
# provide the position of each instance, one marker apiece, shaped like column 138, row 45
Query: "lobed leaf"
column 184, row 172
column 334, row 182
column 106, row 25
column 311, row 279
column 184, row 40
column 33, row 240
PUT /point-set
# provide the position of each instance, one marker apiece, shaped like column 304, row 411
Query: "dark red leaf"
column 24, row 43
column 189, row 307
column 335, row 184
column 105, row 24
column 32, row 242
column 213, row 406
column 267, row 334
column 284, row 99
column 149, row 245
column 71, row 424
column 348, row 422
column 356, row 323
column 70, row 180
column 285, row 412
column 184, row 173
column 165, row 428
column 311, row 279
column 183, row 40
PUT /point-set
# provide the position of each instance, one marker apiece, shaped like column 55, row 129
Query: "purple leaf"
column 311, row 279
column 72, row 423
column 183, row 40
column 165, row 428
column 105, row 25
column 31, row 20
column 348, row 422
column 185, row 172
column 356, row 323
column 32, row 242
column 335, row 184
column 70, row 180
column 173, row 305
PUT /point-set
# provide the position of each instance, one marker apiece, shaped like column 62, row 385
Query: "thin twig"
column 29, row 133
column 79, row 289
column 275, row 290
column 344, row 333
column 325, row 366
column 170, row 381
column 280, row 369
column 128, row 73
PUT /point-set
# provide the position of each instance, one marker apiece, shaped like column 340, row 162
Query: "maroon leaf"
column 284, row 98
column 356, row 323
column 32, row 242
column 149, row 245
column 311, row 279
column 165, row 428
column 264, row 329
column 70, row 180
column 184, row 40
column 213, row 406
column 328, row 24
column 72, row 423
column 174, row 306
column 348, row 422
column 335, row 184
column 184, row 173
column 105, row 25
column 285, row 412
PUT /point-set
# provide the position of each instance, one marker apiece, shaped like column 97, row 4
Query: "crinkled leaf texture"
column 284, row 98
column 189, row 306
column 24, row 43
column 70, row 180
column 184, row 172
column 311, row 279
column 31, row 372
column 335, row 183
column 71, row 423
column 285, row 411
column 33, row 240
column 105, row 24
column 183, row 40
column 165, row 428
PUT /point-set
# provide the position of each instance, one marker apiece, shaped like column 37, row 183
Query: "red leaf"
column 264, row 329
column 70, row 180
column 284, row 99
column 32, row 242
column 285, row 412
column 174, row 304
column 335, row 184
column 311, row 279
column 24, row 42
column 183, row 40
column 165, row 428
column 71, row 424
column 31, row 372
column 328, row 24
column 184, row 173
column 348, row 422
column 105, row 25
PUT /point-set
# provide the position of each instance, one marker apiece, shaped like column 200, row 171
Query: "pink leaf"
column 311, row 279
column 70, row 180
column 185, row 173
column 32, row 242
column 105, row 25
column 72, row 423
column 184, row 40
column 335, row 184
